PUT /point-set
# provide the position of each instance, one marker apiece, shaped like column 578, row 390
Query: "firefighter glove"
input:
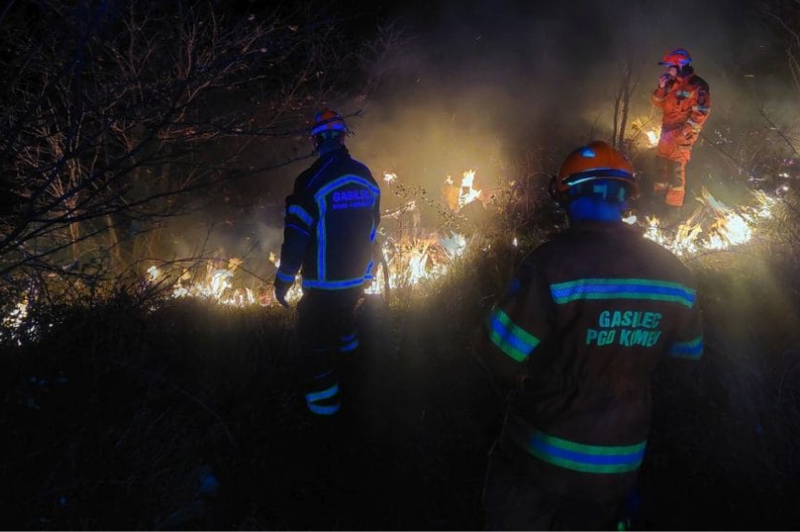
column 281, row 289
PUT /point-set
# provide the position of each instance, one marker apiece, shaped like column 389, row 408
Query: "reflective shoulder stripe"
column 510, row 338
column 692, row 349
column 301, row 213
column 602, row 289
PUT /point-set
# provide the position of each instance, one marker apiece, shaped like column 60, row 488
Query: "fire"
column 457, row 198
column 653, row 136
column 420, row 256
column 295, row 292
column 410, row 261
column 467, row 194
column 216, row 285
column 729, row 227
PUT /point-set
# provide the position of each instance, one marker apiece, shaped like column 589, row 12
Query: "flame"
column 653, row 136
column 411, row 261
column 455, row 245
column 457, row 198
column 728, row 228
column 216, row 285
column 416, row 257
column 295, row 292
column 467, row 194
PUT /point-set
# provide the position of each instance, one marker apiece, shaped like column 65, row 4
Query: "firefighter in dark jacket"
column 586, row 319
column 331, row 219
column 685, row 100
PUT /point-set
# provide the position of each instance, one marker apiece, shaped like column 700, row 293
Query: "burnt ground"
column 121, row 418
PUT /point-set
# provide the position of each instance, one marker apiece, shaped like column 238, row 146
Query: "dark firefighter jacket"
column 586, row 320
column 686, row 104
column 331, row 219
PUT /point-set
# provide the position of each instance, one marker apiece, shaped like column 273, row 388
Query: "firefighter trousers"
column 326, row 327
column 514, row 500
column 671, row 180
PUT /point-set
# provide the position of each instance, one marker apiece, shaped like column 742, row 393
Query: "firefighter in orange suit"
column 685, row 100
column 572, row 346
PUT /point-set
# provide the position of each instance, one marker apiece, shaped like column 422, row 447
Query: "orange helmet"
column 679, row 57
column 328, row 120
column 597, row 161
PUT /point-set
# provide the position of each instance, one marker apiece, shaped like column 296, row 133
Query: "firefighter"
column 571, row 346
column 685, row 101
column 329, row 229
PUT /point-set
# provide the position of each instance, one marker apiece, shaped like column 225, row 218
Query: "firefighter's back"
column 619, row 304
column 344, row 200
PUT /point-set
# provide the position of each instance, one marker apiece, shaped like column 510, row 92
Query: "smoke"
column 509, row 90
column 485, row 84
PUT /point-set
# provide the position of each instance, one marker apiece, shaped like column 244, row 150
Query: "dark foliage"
column 187, row 417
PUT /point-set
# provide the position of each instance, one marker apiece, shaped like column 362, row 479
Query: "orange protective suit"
column 686, row 104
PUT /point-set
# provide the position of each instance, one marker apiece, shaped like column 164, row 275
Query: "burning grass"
column 713, row 226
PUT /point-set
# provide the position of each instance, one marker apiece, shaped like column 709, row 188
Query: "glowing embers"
column 713, row 226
